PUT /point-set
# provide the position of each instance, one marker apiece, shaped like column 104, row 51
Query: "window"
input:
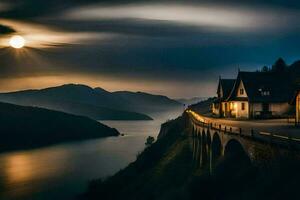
column 243, row 106
column 231, row 106
column 241, row 91
column 265, row 93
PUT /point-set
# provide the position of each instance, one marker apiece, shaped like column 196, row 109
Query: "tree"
column 279, row 66
column 265, row 69
column 149, row 141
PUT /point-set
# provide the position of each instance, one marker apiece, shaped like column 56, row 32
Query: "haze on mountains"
column 96, row 103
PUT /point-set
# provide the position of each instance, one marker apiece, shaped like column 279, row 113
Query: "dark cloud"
column 33, row 8
column 6, row 29
column 147, row 49
column 157, row 58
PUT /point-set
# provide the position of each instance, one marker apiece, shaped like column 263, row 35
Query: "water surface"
column 62, row 171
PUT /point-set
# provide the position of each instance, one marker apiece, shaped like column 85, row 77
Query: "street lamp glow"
column 17, row 42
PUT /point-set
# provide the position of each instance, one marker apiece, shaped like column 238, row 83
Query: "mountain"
column 191, row 101
column 145, row 102
column 96, row 103
column 203, row 106
column 28, row 127
column 75, row 99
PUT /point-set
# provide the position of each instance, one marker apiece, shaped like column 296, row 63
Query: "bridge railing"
column 248, row 133
column 221, row 127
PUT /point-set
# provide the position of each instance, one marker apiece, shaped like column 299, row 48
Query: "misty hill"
column 203, row 107
column 146, row 103
column 96, row 103
column 28, row 127
column 191, row 101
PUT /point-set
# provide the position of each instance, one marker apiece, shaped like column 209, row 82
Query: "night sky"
column 175, row 48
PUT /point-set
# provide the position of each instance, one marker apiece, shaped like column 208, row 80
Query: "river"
column 62, row 171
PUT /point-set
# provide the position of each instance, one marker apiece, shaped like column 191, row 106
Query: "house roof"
column 279, row 86
column 227, row 85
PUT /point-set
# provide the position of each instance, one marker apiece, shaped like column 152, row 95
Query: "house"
column 260, row 95
column 220, row 106
column 298, row 108
column 296, row 103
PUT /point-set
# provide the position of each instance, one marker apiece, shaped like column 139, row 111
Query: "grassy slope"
column 28, row 127
column 160, row 169
column 165, row 172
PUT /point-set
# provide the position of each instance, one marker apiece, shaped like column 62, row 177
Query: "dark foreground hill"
column 28, row 127
column 167, row 170
column 96, row 103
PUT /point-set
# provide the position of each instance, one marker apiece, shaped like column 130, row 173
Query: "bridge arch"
column 193, row 130
column 235, row 150
column 216, row 147
column 204, row 150
column 208, row 136
column 199, row 134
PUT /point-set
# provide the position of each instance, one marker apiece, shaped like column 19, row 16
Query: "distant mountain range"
column 95, row 103
column 28, row 127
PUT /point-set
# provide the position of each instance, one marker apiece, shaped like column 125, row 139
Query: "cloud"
column 36, row 8
column 42, row 36
column 6, row 29
column 226, row 18
column 163, row 47
column 4, row 6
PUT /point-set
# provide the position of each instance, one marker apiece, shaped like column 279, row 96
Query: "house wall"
column 237, row 111
column 257, row 106
column 225, row 109
column 241, row 86
column 215, row 109
column 298, row 108
column 242, row 113
column 277, row 109
column 254, row 109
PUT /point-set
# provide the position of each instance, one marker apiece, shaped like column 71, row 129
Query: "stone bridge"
column 211, row 142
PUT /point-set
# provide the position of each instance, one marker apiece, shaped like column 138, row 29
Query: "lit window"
column 235, row 106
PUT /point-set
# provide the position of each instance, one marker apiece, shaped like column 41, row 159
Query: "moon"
column 17, row 42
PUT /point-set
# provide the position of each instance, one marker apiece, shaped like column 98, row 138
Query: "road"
column 275, row 126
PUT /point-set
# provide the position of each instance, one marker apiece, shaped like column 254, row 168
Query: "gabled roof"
column 279, row 85
column 227, row 85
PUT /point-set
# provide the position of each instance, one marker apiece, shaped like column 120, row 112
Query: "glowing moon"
column 17, row 42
